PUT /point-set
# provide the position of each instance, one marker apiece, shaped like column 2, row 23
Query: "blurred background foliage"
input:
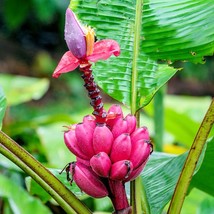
column 31, row 43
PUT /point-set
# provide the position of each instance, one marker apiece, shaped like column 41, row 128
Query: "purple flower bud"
column 74, row 35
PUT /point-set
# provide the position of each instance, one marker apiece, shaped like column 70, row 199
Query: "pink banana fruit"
column 140, row 152
column 140, row 134
column 131, row 123
column 102, row 139
column 88, row 181
column 101, row 164
column 71, row 142
column 85, row 162
column 119, row 127
column 114, row 113
column 89, row 120
column 121, row 170
column 84, row 135
column 121, row 148
column 136, row 172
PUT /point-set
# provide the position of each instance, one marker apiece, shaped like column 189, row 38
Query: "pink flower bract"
column 77, row 42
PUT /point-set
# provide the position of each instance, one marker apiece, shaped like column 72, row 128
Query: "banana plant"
column 146, row 37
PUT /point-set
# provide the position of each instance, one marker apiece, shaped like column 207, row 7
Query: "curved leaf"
column 55, row 149
column 171, row 30
column 19, row 89
column 2, row 106
column 160, row 177
column 19, row 200
column 178, row 30
column 116, row 20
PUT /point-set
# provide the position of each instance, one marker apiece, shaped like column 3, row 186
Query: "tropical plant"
column 152, row 35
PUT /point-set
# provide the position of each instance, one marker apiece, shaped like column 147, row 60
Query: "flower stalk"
column 109, row 148
column 94, row 94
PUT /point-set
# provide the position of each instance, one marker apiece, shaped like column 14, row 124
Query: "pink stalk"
column 94, row 94
column 118, row 197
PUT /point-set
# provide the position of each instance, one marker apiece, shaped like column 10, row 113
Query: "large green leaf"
column 51, row 137
column 204, row 178
column 115, row 20
column 20, row 201
column 160, row 177
column 170, row 31
column 2, row 106
column 182, row 117
column 19, row 89
column 178, row 30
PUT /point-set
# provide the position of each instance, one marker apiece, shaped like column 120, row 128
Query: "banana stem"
column 66, row 199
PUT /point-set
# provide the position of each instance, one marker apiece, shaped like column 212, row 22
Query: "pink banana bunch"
column 115, row 150
column 109, row 148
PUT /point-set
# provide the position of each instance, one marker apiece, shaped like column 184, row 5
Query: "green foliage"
column 2, row 106
column 13, row 14
column 164, row 37
column 181, row 30
column 203, row 179
column 54, row 148
column 182, row 117
column 20, row 201
column 19, row 89
column 171, row 30
column 42, row 11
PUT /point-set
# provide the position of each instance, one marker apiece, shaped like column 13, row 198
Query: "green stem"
column 136, row 195
column 135, row 185
column 191, row 162
column 137, row 29
column 159, row 119
column 66, row 199
column 144, row 204
column 29, row 171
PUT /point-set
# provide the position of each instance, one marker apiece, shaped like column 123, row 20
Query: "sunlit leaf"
column 160, row 177
column 207, row 206
column 19, row 89
column 182, row 117
column 20, row 201
column 51, row 137
column 178, row 30
column 170, row 31
column 2, row 106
